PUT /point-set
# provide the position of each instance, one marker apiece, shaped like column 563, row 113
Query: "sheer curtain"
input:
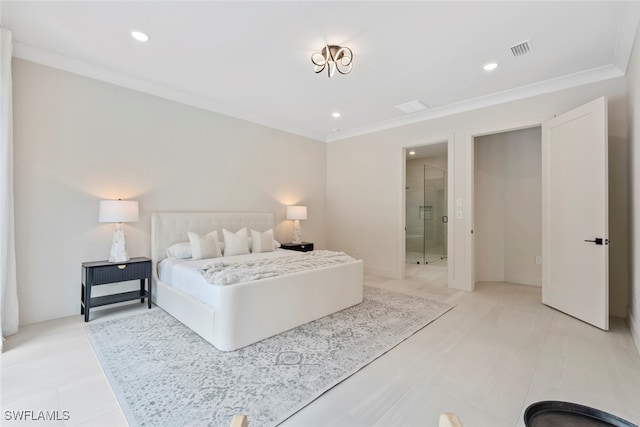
column 8, row 283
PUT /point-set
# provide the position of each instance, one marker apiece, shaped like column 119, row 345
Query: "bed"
column 246, row 313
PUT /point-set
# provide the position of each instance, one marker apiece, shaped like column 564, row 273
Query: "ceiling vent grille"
column 411, row 107
column 521, row 48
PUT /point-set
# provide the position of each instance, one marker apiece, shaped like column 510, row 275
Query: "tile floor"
column 420, row 258
column 495, row 353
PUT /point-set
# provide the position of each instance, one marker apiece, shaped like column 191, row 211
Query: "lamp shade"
column 118, row 211
column 296, row 212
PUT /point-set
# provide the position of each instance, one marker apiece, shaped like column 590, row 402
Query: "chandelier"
column 333, row 58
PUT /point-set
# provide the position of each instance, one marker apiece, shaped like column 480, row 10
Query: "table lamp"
column 118, row 211
column 296, row 213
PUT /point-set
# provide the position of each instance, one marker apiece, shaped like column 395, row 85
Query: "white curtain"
column 8, row 283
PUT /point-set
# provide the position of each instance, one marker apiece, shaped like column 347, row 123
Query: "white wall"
column 633, row 76
column 489, row 209
column 78, row 141
column 365, row 191
column 507, row 207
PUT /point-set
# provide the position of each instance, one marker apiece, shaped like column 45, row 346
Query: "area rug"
column 164, row 374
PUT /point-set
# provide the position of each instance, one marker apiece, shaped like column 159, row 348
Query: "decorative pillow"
column 204, row 247
column 179, row 250
column 235, row 243
column 262, row 242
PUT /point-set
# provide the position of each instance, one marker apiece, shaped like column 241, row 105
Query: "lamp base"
column 118, row 249
column 297, row 239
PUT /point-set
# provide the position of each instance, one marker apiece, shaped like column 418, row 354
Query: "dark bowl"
column 551, row 413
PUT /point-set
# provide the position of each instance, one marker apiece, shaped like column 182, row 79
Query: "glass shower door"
column 426, row 215
column 414, row 224
column 435, row 218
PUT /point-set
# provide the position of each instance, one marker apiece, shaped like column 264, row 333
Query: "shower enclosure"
column 426, row 213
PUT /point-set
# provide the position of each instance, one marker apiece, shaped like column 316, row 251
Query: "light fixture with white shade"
column 118, row 211
column 296, row 213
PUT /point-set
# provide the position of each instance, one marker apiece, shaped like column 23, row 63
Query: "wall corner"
column 633, row 327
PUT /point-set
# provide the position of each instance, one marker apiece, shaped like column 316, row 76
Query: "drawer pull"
column 122, row 266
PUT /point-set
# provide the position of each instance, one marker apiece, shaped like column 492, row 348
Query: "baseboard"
column 635, row 332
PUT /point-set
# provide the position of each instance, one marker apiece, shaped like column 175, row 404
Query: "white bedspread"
column 184, row 274
column 218, row 271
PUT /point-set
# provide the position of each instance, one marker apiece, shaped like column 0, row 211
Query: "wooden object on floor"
column 239, row 421
column 450, row 420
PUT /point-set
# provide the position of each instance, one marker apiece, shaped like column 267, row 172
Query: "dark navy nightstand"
column 300, row 247
column 105, row 272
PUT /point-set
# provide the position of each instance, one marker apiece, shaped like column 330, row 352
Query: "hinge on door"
column 472, row 231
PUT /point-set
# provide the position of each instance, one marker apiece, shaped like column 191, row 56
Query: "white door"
column 575, row 224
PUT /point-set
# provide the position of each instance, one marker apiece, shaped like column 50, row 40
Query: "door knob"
column 598, row 241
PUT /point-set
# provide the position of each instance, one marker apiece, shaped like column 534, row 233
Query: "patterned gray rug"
column 166, row 375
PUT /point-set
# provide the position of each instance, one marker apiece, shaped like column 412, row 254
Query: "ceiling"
column 251, row 60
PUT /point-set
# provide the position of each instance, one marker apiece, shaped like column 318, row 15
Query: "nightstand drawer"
column 116, row 273
column 300, row 247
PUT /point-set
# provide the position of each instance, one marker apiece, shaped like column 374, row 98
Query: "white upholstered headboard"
column 168, row 228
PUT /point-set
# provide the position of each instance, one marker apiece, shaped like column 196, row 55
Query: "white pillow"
column 204, row 247
column 235, row 243
column 262, row 242
column 179, row 250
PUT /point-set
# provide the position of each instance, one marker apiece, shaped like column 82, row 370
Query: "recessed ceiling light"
column 139, row 35
column 335, row 115
column 490, row 66
column 411, row 153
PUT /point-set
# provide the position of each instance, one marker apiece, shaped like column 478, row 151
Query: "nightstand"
column 104, row 272
column 300, row 247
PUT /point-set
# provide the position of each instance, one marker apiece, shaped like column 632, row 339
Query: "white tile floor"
column 420, row 258
column 495, row 353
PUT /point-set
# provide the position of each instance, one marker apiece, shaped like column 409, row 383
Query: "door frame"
column 469, row 195
column 401, row 252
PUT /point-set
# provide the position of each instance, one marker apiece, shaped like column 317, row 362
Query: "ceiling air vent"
column 521, row 48
column 411, row 107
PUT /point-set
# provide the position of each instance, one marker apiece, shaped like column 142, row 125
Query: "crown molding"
column 76, row 66
column 528, row 91
column 629, row 23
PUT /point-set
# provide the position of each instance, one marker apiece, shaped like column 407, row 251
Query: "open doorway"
column 574, row 211
column 508, row 207
column 426, row 212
